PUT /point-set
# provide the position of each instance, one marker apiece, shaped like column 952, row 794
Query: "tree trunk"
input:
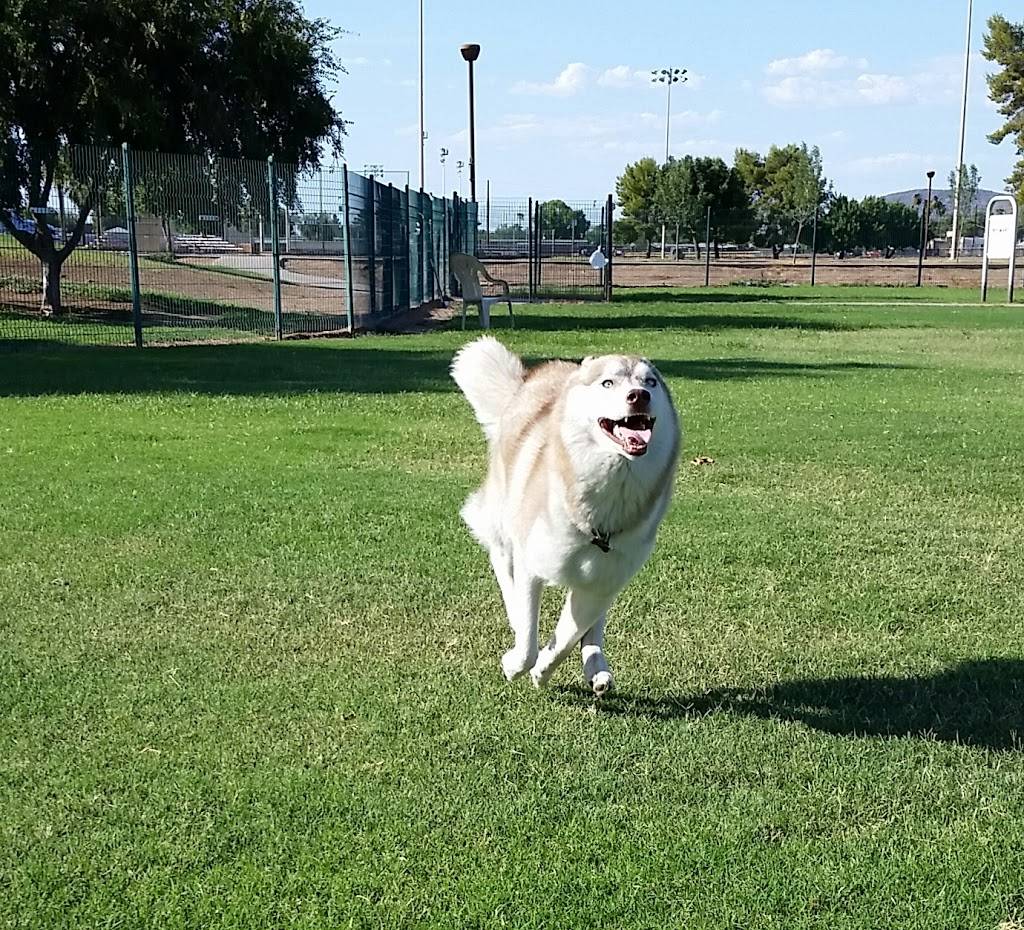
column 717, row 255
column 678, row 256
column 51, row 305
column 796, row 244
column 696, row 245
column 165, row 228
column 650, row 245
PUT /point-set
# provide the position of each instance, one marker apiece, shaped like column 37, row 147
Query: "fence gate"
column 543, row 247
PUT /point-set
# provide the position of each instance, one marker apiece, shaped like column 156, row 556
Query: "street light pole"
column 471, row 53
column 925, row 217
column 444, row 155
column 954, row 248
column 423, row 134
column 667, row 76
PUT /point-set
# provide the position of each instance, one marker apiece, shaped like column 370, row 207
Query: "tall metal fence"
column 170, row 248
column 152, row 248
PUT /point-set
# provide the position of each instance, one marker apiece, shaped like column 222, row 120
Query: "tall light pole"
column 954, row 248
column 423, row 133
column 471, row 53
column 668, row 77
column 444, row 155
column 925, row 217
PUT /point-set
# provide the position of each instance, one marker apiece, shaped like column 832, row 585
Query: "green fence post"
column 371, row 244
column 529, row 250
column 349, row 284
column 133, row 246
column 707, row 251
column 407, row 277
column 814, row 250
column 275, row 246
column 609, row 235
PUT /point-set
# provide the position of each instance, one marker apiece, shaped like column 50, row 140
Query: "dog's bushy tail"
column 489, row 375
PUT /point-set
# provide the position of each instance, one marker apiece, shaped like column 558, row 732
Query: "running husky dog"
column 582, row 462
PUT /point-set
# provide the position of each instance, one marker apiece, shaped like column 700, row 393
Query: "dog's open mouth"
column 632, row 433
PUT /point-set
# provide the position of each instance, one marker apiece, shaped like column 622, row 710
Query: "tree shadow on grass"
column 34, row 368
column 976, row 703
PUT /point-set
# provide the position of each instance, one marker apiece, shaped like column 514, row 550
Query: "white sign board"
column 1000, row 240
column 1000, row 235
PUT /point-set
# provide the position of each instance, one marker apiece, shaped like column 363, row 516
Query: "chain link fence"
column 150, row 247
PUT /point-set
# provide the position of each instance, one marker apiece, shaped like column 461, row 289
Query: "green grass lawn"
column 249, row 656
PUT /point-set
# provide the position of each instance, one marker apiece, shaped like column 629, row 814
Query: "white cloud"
column 572, row 79
column 640, row 132
column 873, row 163
column 361, row 61
column 814, row 62
column 866, row 89
column 619, row 76
column 624, row 76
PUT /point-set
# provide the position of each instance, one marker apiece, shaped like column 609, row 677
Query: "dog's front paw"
column 514, row 664
column 540, row 677
column 602, row 683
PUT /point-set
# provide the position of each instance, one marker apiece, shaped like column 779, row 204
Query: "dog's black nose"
column 638, row 397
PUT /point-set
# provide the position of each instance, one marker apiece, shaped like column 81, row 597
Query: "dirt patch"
column 894, row 272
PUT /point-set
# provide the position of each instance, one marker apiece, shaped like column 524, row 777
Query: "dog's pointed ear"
column 588, row 359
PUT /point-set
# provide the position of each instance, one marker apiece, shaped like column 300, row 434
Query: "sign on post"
column 1000, row 241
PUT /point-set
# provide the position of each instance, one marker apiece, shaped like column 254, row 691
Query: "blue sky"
column 564, row 98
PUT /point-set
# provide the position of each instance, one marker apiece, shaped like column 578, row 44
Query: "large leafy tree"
column 560, row 220
column 1004, row 45
column 970, row 183
column 635, row 190
column 786, row 187
column 240, row 78
column 688, row 187
column 675, row 197
column 768, row 219
column 871, row 223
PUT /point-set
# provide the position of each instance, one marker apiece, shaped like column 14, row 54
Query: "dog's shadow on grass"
column 976, row 703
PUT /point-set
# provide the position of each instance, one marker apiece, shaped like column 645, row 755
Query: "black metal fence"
column 168, row 248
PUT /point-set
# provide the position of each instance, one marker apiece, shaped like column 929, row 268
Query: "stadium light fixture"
column 668, row 77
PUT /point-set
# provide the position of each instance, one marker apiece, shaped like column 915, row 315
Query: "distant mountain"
column 944, row 194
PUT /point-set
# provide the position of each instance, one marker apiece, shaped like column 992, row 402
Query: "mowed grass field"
column 249, row 669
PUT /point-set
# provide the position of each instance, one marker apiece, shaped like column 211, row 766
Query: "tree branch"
column 76, row 234
column 20, row 236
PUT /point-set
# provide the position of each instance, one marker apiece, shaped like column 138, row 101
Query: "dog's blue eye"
column 607, row 383
column 651, row 382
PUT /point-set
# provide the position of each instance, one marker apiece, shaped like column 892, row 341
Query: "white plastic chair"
column 468, row 271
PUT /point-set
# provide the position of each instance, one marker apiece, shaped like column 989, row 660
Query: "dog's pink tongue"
column 633, row 437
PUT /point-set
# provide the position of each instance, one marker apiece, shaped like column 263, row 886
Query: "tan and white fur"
column 582, row 463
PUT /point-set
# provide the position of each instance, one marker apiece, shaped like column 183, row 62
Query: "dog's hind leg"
column 523, row 605
column 595, row 666
column 582, row 611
